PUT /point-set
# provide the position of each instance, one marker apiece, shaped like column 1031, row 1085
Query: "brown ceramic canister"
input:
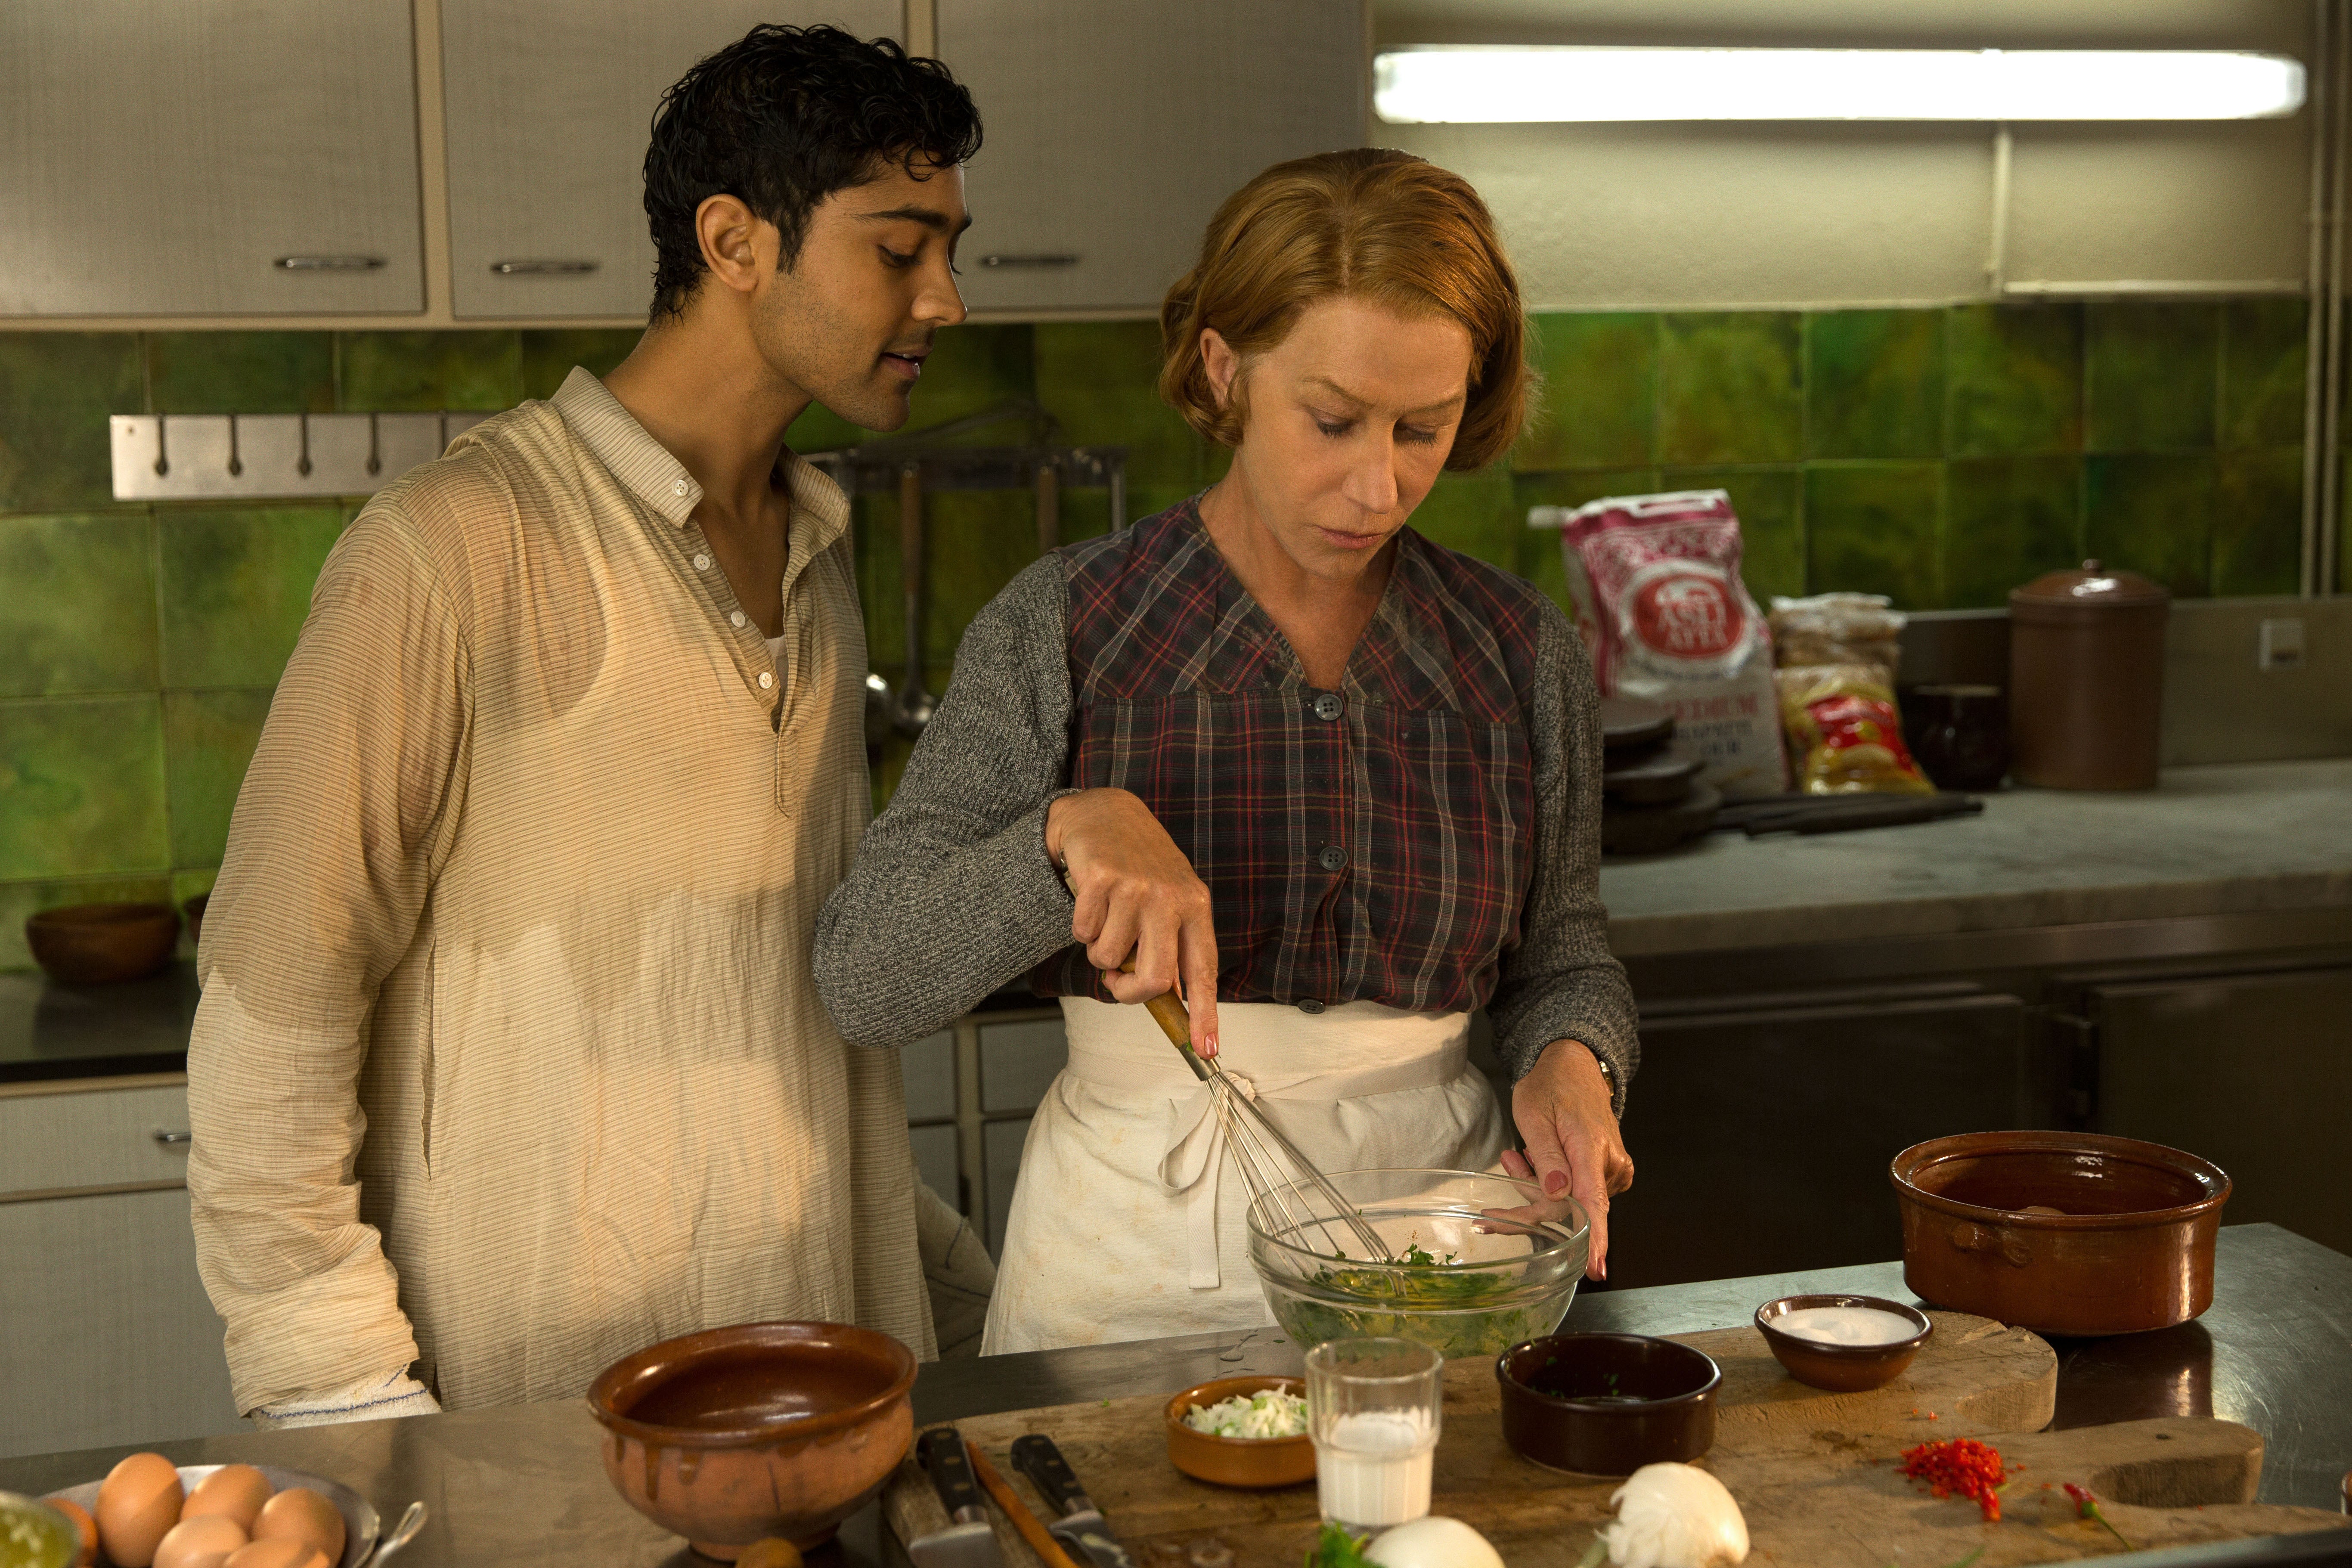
column 2086, row 678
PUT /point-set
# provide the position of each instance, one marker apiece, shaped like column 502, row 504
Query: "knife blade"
column 1081, row 1526
column 968, row 1540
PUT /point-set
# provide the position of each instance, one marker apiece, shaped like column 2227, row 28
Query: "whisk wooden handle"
column 1175, row 1021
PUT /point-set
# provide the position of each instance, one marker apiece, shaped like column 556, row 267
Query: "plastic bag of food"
column 1838, row 628
column 1661, row 606
column 1845, row 736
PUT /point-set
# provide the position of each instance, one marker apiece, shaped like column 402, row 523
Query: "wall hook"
column 302, row 463
column 162, row 456
column 235, row 463
column 375, row 452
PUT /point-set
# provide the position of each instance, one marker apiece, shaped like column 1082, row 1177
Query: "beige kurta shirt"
column 510, row 1060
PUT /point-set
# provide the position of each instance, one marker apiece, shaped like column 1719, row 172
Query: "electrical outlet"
column 2279, row 645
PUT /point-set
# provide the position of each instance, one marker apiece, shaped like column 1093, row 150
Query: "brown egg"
column 297, row 1513
column 202, row 1541
column 233, row 1491
column 137, row 1502
column 283, row 1551
column 84, row 1526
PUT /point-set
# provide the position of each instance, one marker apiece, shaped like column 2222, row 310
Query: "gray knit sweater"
column 952, row 893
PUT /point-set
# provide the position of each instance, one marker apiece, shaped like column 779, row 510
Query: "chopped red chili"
column 1959, row 1466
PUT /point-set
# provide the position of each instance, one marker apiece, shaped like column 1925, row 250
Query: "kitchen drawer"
column 106, row 1336
column 929, row 1066
column 935, row 1158
column 92, row 1137
column 1017, row 1062
column 1000, row 1151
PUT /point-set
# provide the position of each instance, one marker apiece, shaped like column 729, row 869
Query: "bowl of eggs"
column 150, row 1513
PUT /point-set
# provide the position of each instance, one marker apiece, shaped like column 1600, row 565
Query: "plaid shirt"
column 1373, row 843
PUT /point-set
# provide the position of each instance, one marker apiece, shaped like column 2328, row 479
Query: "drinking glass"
column 1373, row 1411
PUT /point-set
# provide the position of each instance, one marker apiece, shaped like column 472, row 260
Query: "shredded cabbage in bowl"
column 1272, row 1414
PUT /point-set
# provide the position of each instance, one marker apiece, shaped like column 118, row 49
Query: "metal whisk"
column 1271, row 1163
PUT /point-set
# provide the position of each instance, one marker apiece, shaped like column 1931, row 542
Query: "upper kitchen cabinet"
column 550, row 104
column 186, row 157
column 1115, row 127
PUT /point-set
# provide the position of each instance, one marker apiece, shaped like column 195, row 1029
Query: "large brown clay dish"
column 2130, row 1249
column 734, row 1434
column 1238, row 1462
column 99, row 945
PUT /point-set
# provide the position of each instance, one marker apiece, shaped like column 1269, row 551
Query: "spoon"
column 401, row 1534
column 915, row 702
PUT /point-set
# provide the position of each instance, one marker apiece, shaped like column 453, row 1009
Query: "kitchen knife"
column 1081, row 1527
column 967, row 1542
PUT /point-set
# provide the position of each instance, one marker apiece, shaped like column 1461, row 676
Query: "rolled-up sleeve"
column 343, row 817
column 1560, row 982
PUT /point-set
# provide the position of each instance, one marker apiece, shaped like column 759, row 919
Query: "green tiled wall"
column 1941, row 456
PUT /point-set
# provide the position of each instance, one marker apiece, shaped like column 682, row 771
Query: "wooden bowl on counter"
column 1840, row 1368
column 764, row 1429
column 1238, row 1462
column 2063, row 1233
column 1606, row 1405
column 102, row 944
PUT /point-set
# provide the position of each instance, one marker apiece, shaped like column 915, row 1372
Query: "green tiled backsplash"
column 1940, row 455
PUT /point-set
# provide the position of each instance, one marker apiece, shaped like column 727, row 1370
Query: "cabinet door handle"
column 541, row 268
column 329, row 263
column 163, row 1137
column 1050, row 259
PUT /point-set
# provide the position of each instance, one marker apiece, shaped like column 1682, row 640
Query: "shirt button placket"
column 1329, row 706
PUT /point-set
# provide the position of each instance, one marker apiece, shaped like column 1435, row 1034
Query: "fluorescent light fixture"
column 1556, row 82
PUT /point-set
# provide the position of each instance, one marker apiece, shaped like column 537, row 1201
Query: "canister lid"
column 2091, row 585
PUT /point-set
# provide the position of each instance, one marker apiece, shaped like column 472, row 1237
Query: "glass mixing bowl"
column 1478, row 1262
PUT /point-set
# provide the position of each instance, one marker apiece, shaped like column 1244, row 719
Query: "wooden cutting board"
column 1815, row 1473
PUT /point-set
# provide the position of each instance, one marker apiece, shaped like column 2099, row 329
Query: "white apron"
column 1128, row 1222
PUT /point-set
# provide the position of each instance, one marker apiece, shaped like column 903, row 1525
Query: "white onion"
column 1672, row 1516
column 1434, row 1541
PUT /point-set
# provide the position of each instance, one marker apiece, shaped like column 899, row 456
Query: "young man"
column 509, row 1061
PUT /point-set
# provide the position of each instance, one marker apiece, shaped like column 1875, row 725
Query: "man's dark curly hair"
column 783, row 118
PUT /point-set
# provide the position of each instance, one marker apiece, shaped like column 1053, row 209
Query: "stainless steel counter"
column 2239, row 839
column 523, row 1486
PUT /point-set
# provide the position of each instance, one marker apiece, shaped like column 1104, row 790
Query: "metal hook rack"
column 1038, row 463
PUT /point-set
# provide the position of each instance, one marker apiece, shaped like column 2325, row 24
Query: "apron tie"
column 1191, row 1160
column 1190, row 1164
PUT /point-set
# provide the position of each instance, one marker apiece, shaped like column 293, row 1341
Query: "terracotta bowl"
column 1606, row 1405
column 781, row 1430
column 2064, row 1233
column 1238, row 1462
column 99, row 944
column 1841, row 1369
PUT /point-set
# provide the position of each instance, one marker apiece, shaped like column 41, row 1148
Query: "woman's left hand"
column 1573, row 1145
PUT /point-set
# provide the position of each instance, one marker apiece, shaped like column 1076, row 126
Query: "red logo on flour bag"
column 1661, row 606
column 1687, row 614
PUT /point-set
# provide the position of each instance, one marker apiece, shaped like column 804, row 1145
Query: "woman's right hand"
column 1137, row 895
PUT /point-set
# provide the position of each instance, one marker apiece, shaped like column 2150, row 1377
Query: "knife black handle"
column 1035, row 1457
column 940, row 1453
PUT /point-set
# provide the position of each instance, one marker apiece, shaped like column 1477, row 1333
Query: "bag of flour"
column 1661, row 606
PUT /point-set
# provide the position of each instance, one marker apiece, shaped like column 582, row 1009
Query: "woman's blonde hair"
column 1369, row 223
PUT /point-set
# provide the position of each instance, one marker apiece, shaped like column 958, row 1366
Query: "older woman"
column 1337, row 785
